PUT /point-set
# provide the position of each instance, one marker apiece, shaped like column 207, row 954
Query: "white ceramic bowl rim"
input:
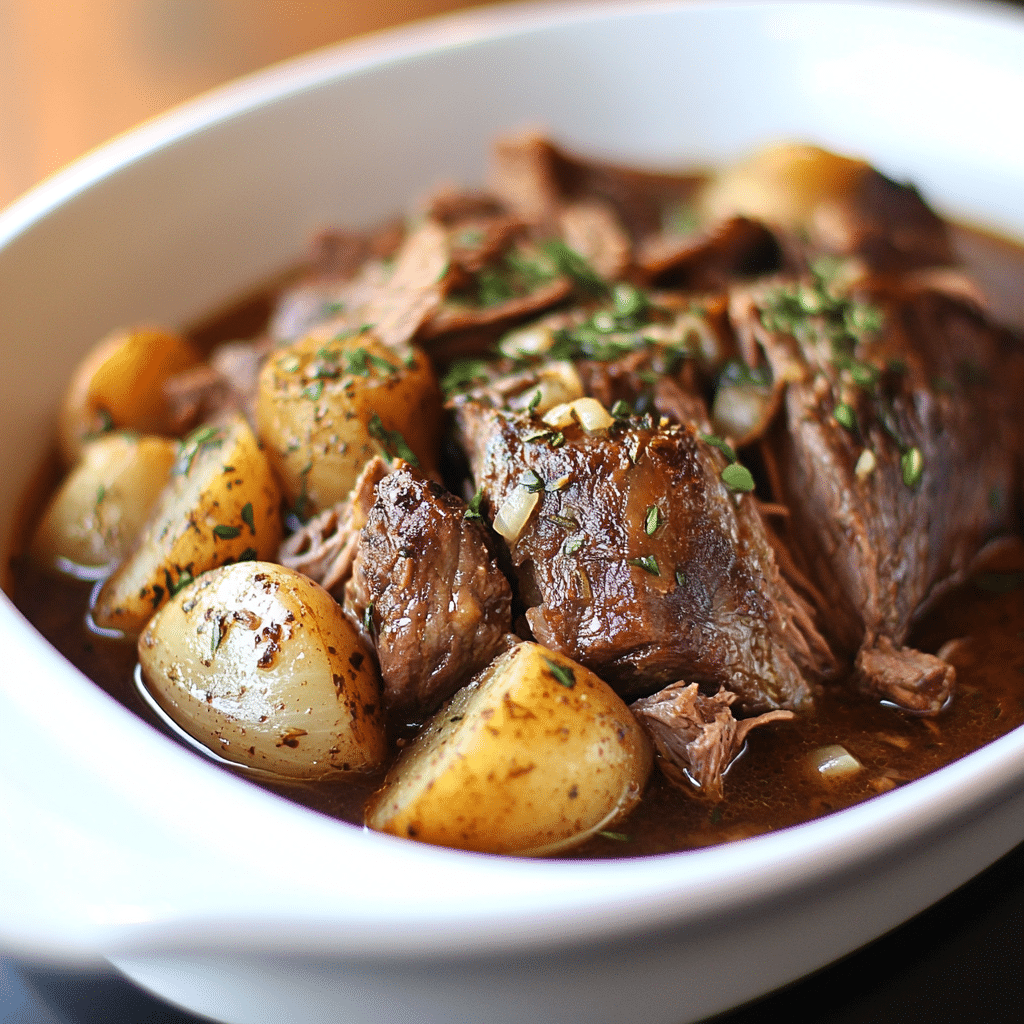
column 129, row 875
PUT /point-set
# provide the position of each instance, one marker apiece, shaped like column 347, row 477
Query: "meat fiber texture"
column 897, row 454
column 640, row 563
column 427, row 590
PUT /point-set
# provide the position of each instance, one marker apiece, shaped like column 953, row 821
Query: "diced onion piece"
column 588, row 412
column 530, row 341
column 866, row 464
column 556, row 384
column 515, row 513
column 835, row 762
column 740, row 410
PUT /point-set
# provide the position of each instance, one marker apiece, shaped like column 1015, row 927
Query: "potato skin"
column 323, row 407
column 119, row 386
column 259, row 664
column 93, row 520
column 518, row 762
column 220, row 505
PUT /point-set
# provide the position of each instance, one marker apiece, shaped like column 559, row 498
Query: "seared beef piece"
column 710, row 259
column 225, row 383
column 324, row 549
column 897, row 454
column 639, row 562
column 696, row 736
column 425, row 581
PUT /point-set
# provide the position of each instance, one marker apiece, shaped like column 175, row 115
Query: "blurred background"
column 75, row 73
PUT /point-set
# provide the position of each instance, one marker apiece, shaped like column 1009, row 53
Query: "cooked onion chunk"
column 533, row 757
column 259, row 664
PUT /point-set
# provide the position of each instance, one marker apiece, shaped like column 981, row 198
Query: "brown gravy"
column 773, row 784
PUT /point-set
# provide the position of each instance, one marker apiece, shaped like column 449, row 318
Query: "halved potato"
column 259, row 664
column 532, row 757
column 119, row 386
column 326, row 407
column 93, row 520
column 221, row 504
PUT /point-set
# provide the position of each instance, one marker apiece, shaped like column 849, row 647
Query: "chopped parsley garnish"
column 192, row 444
column 462, row 375
column 473, row 508
column 648, row 563
column 391, row 441
column 562, row 674
column 572, row 265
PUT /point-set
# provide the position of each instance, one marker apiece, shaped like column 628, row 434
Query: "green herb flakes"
column 531, row 481
column 562, row 673
column 225, row 532
column 844, row 415
column 473, row 508
column 652, row 520
column 912, row 465
column 721, row 444
column 248, row 517
column 648, row 563
column 737, row 478
column 391, row 441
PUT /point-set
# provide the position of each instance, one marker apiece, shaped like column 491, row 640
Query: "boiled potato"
column 259, row 664
column 221, row 504
column 94, row 518
column 782, row 184
column 325, row 407
column 119, row 385
column 534, row 756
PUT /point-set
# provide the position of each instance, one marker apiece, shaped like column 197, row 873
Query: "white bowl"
column 119, row 844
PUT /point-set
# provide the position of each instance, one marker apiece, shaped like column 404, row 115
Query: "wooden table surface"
column 74, row 74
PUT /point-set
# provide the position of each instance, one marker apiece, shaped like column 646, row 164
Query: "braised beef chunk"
column 696, row 736
column 637, row 559
column 897, row 454
column 425, row 584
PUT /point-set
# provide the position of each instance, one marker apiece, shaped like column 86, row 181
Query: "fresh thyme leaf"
column 721, row 444
column 622, row 410
column 618, row 837
column 225, row 532
column 572, row 544
column 912, row 465
column 392, row 441
column 562, row 674
column 248, row 517
column 680, row 578
column 737, row 477
column 566, row 522
column 648, row 563
column 185, row 577
column 845, row 416
column 192, row 444
column 534, row 401
column 652, row 520
column 248, row 555
column 368, row 619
